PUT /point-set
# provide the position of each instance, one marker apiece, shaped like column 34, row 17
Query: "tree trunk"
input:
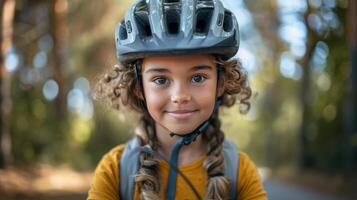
column 59, row 33
column 7, row 9
column 305, row 158
column 350, row 105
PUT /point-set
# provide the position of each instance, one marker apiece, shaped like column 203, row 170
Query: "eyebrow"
column 163, row 70
column 201, row 67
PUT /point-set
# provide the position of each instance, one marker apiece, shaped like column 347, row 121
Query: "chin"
column 182, row 131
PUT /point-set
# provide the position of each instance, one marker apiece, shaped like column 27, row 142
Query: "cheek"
column 155, row 99
column 206, row 96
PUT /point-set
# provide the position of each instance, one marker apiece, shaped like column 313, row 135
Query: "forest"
column 300, row 57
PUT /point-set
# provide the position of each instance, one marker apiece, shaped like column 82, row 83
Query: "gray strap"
column 128, row 165
column 231, row 162
column 171, row 183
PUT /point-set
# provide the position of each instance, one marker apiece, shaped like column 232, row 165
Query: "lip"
column 181, row 114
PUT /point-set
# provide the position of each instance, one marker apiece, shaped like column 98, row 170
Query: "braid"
column 217, row 186
column 147, row 179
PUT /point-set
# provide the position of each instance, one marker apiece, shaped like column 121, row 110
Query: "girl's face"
column 180, row 91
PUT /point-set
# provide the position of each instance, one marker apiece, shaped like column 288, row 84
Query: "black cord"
column 154, row 153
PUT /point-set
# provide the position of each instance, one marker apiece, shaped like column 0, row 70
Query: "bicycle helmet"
column 174, row 27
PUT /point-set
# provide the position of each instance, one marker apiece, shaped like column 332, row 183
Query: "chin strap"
column 183, row 139
column 186, row 140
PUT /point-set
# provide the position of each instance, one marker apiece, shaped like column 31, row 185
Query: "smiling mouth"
column 182, row 114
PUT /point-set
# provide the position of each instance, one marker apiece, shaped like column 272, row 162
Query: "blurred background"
column 301, row 130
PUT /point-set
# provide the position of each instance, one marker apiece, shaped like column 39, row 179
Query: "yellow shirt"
column 106, row 180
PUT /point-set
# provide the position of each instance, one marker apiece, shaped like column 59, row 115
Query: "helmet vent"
column 142, row 19
column 228, row 21
column 203, row 20
column 123, row 35
column 143, row 24
column 173, row 21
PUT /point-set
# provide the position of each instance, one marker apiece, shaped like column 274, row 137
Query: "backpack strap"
column 231, row 163
column 129, row 164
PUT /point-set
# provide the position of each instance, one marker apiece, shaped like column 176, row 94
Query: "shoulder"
column 112, row 157
column 245, row 160
column 247, row 167
column 106, row 181
column 115, row 152
column 108, row 165
column 249, row 181
column 109, row 162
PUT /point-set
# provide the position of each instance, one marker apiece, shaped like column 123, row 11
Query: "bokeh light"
column 40, row 59
column 289, row 68
column 50, row 89
column 12, row 60
column 79, row 99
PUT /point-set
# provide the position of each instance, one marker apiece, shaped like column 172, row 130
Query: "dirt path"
column 278, row 190
column 43, row 182
column 48, row 197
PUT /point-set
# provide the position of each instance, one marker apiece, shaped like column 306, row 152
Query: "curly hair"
column 117, row 89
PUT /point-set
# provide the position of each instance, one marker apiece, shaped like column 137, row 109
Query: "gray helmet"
column 174, row 27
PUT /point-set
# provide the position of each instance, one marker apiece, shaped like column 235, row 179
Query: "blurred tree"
column 37, row 131
column 350, row 108
column 305, row 93
column 302, row 94
column 52, row 117
column 330, row 68
column 7, row 9
column 59, row 9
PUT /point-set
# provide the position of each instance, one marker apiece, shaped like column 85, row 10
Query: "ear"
column 221, row 85
column 138, row 92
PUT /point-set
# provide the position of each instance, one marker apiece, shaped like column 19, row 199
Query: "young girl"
column 174, row 71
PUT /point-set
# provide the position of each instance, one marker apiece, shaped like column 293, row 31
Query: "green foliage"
column 36, row 132
column 108, row 132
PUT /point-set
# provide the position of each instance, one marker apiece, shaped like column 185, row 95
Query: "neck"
column 188, row 153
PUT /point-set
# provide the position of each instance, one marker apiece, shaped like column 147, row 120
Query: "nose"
column 180, row 95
